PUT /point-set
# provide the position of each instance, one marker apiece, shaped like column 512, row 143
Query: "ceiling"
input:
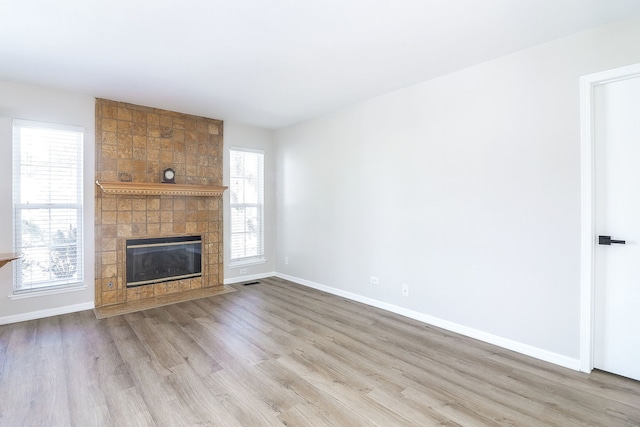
column 271, row 63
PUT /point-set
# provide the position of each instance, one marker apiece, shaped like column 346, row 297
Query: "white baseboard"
column 5, row 320
column 508, row 344
column 239, row 279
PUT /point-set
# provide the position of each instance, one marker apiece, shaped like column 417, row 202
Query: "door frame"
column 588, row 84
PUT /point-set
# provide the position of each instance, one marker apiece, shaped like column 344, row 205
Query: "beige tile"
column 124, row 217
column 125, row 165
column 160, row 289
column 153, row 229
column 166, row 203
column 153, row 217
column 166, row 217
column 124, row 151
column 109, row 271
column 109, row 151
column 179, row 216
column 108, row 111
column 109, row 257
column 153, row 119
column 153, row 131
column 153, row 155
column 124, row 114
column 109, row 297
column 139, row 116
column 109, row 125
column 109, row 230
column 139, row 217
column 124, row 230
column 139, row 229
column 108, row 244
column 178, row 137
column 124, row 203
column 166, row 120
column 139, row 204
column 109, row 138
column 166, row 158
column 109, row 217
column 153, row 203
column 125, row 127
column 139, row 129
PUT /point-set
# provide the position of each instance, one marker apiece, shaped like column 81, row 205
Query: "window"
column 47, row 205
column 246, row 190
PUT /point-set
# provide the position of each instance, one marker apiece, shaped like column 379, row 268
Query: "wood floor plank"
column 413, row 410
column 196, row 402
column 327, row 406
column 237, row 396
column 90, row 357
column 183, row 345
column 277, row 353
column 48, row 403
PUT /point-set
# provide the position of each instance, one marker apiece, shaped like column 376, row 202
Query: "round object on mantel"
column 169, row 176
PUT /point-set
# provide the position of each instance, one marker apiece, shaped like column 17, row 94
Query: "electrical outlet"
column 405, row 290
column 374, row 280
column 286, row 260
column 243, row 271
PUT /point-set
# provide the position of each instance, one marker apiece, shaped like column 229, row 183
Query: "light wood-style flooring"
column 276, row 354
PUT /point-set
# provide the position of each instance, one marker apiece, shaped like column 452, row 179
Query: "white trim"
column 73, row 146
column 243, row 262
column 538, row 353
column 45, row 292
column 259, row 205
column 246, row 149
column 587, row 256
column 241, row 279
column 47, row 125
column 5, row 320
column 587, row 232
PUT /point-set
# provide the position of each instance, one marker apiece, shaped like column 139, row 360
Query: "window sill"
column 46, row 292
column 246, row 262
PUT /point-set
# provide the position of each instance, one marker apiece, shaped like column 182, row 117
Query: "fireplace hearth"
column 155, row 260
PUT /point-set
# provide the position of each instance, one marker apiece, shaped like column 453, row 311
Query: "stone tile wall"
column 139, row 143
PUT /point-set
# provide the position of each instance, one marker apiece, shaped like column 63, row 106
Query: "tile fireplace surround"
column 138, row 143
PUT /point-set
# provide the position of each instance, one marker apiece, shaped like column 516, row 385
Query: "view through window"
column 47, row 205
column 246, row 191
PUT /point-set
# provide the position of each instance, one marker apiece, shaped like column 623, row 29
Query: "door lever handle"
column 607, row 240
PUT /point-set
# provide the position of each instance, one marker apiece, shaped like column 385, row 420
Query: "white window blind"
column 246, row 191
column 47, row 205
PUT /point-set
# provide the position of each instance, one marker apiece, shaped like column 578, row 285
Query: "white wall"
column 237, row 135
column 36, row 103
column 466, row 187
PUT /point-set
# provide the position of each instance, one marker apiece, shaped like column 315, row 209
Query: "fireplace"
column 140, row 142
column 163, row 259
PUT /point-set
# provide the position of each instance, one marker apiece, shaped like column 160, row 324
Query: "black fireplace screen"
column 163, row 259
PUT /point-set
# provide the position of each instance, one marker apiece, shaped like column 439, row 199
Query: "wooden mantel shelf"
column 157, row 189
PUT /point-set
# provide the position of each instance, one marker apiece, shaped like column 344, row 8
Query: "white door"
column 617, row 267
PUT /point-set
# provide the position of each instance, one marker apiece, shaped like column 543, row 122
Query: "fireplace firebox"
column 163, row 259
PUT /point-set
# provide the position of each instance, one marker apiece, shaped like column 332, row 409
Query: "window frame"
column 260, row 258
column 50, row 285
